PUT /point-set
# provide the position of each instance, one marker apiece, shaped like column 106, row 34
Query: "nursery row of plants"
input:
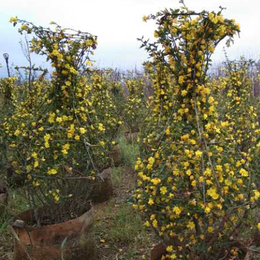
column 199, row 136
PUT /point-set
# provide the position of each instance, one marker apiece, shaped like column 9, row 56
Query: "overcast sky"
column 118, row 24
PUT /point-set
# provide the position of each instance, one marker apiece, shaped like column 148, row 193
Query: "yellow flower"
column 17, row 132
column 210, row 229
column 258, row 226
column 243, row 172
column 64, row 118
column 156, row 35
column 82, row 130
column 185, row 137
column 257, row 194
column 211, row 48
column 198, row 153
column 52, row 172
column 163, row 190
column 150, row 164
column 59, row 119
column 191, row 225
column 152, row 217
column 155, row 223
column 213, row 193
column 135, row 206
column 169, row 248
column 36, row 183
column 150, row 201
column 46, row 137
column 145, row 18
column 176, row 210
column 207, row 210
column 36, row 164
column 224, row 124
column 34, row 155
column 176, row 172
column 72, row 70
column 65, row 149
column 56, row 198
column 101, row 127
column 66, row 146
column 208, row 172
column 13, row 20
column 188, row 172
column 181, row 80
column 55, row 53
column 24, row 27
column 151, row 160
column 155, row 181
column 193, row 184
column 184, row 93
column 147, row 223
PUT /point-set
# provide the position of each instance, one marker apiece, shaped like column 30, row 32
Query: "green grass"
column 4, row 221
column 129, row 152
column 122, row 232
column 126, row 226
column 117, row 176
column 16, row 204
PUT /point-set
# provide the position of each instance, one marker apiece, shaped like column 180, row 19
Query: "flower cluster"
column 195, row 184
column 135, row 108
column 60, row 130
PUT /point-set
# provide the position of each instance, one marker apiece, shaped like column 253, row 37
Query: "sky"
column 118, row 24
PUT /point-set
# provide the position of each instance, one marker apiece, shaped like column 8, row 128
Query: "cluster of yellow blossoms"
column 135, row 108
column 59, row 129
column 196, row 184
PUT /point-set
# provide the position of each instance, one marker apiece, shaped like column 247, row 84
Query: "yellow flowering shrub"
column 195, row 186
column 236, row 103
column 103, row 99
column 7, row 89
column 60, row 130
column 135, row 107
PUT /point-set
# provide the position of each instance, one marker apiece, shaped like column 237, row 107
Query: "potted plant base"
column 52, row 241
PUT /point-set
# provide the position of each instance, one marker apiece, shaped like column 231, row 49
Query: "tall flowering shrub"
column 195, row 187
column 135, row 109
column 61, row 131
column 238, row 107
column 236, row 97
